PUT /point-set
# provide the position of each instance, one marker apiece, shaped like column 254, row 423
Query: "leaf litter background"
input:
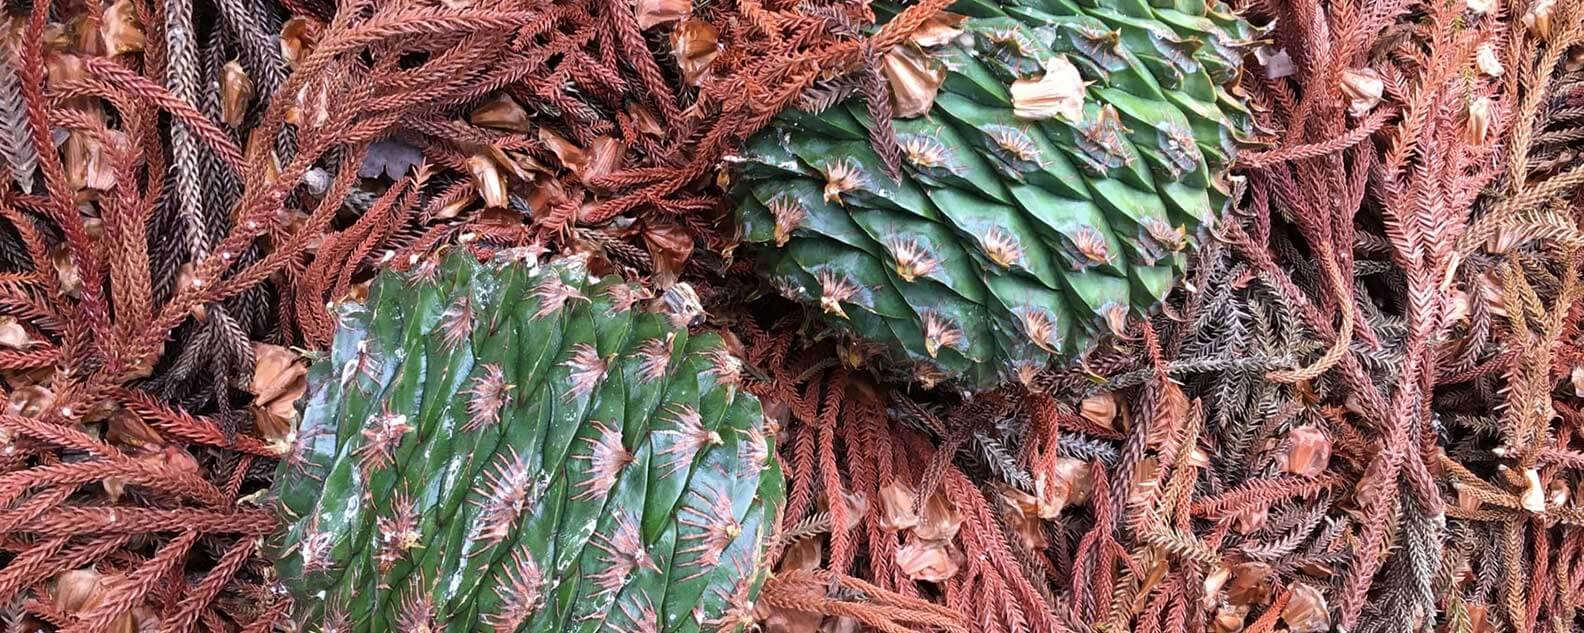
column 1361, row 410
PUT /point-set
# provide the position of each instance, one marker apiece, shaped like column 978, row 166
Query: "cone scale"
column 505, row 446
column 1075, row 151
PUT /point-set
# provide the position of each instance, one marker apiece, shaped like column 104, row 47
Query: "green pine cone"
column 1075, row 150
column 511, row 447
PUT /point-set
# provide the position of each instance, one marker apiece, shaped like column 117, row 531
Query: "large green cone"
column 1008, row 242
column 510, row 447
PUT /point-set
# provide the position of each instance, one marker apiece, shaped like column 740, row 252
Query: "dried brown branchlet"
column 169, row 459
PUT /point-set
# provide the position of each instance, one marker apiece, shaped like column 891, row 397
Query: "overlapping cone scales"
column 555, row 461
column 1073, row 153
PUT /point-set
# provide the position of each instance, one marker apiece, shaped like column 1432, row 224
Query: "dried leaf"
column 1538, row 18
column 66, row 272
column 572, row 157
column 1066, row 482
column 939, row 521
column 455, row 207
column 30, row 401
column 694, row 44
column 1021, row 515
column 808, row 553
column 280, row 378
column 1575, row 60
column 125, row 429
column 1251, row 583
column 856, row 508
column 1251, row 519
column 1276, row 61
column 1363, row 88
column 1467, row 499
column 1230, row 618
column 120, row 29
column 1533, row 498
column 804, row 554
column 298, row 37
column 167, row 458
column 1485, row 59
column 681, row 306
column 236, row 92
column 1057, row 93
column 928, row 561
column 1213, row 583
column 896, row 506
column 776, row 619
column 1100, row 409
column 1145, row 480
column 79, row 590
column 939, row 30
column 544, row 194
column 88, row 162
column 670, row 246
column 488, row 180
column 1490, row 289
column 13, row 334
column 1308, row 452
column 503, row 113
column 915, row 78
column 1557, row 493
column 1459, row 303
column 606, row 155
column 1477, row 128
column 645, row 120
column 390, row 158
column 653, row 13
column 1306, row 611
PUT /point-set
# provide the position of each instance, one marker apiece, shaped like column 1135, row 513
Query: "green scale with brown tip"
column 1008, row 242
column 505, row 446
